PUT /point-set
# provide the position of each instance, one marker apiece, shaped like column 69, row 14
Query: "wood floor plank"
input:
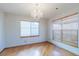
column 39, row 49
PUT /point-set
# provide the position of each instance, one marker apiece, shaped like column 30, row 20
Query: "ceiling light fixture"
column 36, row 11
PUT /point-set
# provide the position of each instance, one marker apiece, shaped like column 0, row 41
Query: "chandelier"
column 36, row 11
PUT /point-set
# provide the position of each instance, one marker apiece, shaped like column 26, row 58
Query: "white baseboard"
column 24, row 44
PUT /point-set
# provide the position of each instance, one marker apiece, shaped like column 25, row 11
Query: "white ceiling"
column 48, row 9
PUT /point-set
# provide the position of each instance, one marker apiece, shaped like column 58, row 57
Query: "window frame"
column 27, row 36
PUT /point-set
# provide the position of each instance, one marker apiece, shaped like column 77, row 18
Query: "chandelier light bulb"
column 36, row 12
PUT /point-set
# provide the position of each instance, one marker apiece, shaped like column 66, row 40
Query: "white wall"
column 2, row 36
column 60, row 44
column 13, row 31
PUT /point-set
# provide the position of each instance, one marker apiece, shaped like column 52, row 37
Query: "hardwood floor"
column 38, row 49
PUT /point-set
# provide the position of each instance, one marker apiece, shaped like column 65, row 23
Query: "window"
column 29, row 28
column 56, row 26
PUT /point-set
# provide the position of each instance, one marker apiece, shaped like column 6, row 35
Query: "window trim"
column 27, row 36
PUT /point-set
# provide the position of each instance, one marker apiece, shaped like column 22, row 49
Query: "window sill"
column 29, row 36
